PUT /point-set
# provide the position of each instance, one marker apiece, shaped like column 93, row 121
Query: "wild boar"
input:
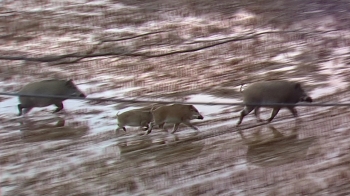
column 175, row 114
column 134, row 118
column 47, row 87
column 272, row 92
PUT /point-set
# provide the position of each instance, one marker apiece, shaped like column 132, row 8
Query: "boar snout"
column 308, row 99
column 78, row 94
column 200, row 117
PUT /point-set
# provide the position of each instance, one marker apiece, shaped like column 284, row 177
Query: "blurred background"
column 163, row 50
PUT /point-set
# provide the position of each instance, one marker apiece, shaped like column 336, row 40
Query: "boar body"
column 134, row 118
column 47, row 87
column 174, row 114
column 272, row 92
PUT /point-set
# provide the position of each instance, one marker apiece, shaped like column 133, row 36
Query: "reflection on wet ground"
column 211, row 161
column 165, row 151
column 277, row 150
column 44, row 130
column 78, row 151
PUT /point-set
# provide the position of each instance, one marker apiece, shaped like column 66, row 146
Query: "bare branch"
column 245, row 37
column 50, row 58
column 76, row 57
column 133, row 37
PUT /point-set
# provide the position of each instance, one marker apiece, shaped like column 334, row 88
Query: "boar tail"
column 153, row 108
column 240, row 90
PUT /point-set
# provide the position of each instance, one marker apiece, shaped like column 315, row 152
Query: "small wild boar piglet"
column 134, row 118
column 49, row 88
column 175, row 114
column 272, row 92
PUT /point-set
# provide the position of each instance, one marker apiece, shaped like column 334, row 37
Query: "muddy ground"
column 196, row 50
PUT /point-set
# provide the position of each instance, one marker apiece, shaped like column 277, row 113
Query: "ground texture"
column 197, row 50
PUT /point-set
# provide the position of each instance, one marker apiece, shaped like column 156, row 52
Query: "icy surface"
column 78, row 152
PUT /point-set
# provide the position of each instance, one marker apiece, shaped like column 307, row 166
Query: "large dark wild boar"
column 47, row 87
column 175, row 114
column 270, row 92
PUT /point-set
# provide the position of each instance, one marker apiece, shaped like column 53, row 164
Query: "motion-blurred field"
column 174, row 51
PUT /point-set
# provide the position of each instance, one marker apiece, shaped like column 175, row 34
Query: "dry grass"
column 189, row 164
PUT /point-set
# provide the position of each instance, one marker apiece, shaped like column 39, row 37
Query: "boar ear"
column 191, row 107
column 69, row 82
column 297, row 86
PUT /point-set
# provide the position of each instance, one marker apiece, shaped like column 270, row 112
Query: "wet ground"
column 174, row 51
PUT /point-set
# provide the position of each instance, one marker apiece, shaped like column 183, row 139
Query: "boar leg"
column 144, row 126
column 293, row 110
column 59, row 107
column 245, row 112
column 257, row 114
column 19, row 106
column 120, row 127
column 25, row 109
column 274, row 113
column 149, row 131
column 150, row 128
column 161, row 126
column 176, row 126
column 190, row 125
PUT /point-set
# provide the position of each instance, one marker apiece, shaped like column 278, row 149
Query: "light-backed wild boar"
column 134, row 118
column 272, row 92
column 49, row 88
column 174, row 114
